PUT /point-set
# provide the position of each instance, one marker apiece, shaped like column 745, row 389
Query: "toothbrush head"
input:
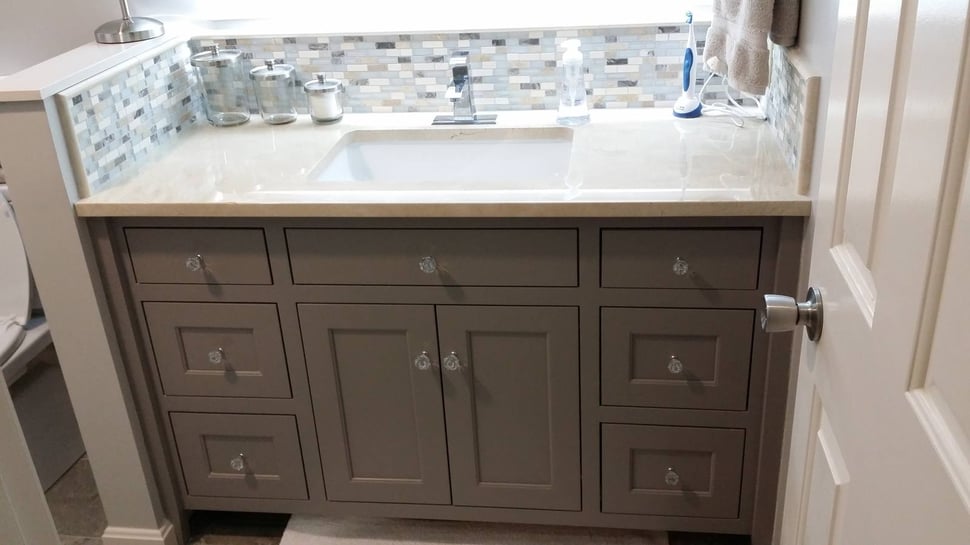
column 690, row 17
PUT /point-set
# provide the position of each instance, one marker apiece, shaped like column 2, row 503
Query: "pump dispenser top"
column 572, row 86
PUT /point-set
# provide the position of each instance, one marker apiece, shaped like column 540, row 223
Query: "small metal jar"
column 274, row 85
column 325, row 99
column 223, row 86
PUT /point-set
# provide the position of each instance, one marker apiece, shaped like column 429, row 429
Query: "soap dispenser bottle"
column 572, row 86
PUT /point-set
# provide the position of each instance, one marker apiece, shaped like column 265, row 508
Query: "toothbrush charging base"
column 687, row 107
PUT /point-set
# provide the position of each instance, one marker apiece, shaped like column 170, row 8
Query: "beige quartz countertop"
column 624, row 163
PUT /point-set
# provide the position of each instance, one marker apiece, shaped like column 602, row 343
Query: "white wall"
column 34, row 30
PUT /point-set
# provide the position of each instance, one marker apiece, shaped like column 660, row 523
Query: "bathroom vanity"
column 603, row 372
column 591, row 358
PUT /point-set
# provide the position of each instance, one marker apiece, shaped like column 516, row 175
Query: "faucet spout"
column 459, row 94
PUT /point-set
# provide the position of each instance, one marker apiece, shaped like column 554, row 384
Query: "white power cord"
column 732, row 108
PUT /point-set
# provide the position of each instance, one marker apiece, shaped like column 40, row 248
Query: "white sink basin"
column 447, row 159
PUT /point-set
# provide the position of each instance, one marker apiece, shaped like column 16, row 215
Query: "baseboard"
column 119, row 535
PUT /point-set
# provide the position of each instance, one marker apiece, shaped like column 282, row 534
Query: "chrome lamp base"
column 129, row 29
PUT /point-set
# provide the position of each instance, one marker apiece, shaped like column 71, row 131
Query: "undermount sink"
column 451, row 159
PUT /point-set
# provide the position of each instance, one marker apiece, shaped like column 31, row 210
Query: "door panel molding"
column 949, row 440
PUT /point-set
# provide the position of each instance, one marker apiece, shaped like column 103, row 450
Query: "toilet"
column 29, row 364
column 14, row 286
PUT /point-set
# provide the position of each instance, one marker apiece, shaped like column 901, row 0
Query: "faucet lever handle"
column 459, row 65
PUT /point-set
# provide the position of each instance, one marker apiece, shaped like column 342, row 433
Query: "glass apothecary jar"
column 223, row 80
column 273, row 84
column 325, row 99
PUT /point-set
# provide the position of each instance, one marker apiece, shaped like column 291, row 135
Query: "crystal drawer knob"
column 217, row 356
column 238, row 463
column 671, row 477
column 675, row 366
column 782, row 313
column 681, row 267
column 451, row 362
column 195, row 263
column 428, row 265
column 423, row 361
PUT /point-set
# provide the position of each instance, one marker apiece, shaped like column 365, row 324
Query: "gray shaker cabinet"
column 377, row 399
column 505, row 379
column 582, row 371
column 512, row 405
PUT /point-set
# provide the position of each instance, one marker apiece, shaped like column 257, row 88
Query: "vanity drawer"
column 218, row 349
column 240, row 455
column 434, row 257
column 724, row 259
column 662, row 470
column 682, row 358
column 198, row 256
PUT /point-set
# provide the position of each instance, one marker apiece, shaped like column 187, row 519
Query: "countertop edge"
column 798, row 208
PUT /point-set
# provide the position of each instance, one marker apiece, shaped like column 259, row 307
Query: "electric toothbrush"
column 688, row 105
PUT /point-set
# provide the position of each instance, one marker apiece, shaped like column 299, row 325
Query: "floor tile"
column 75, row 540
column 75, row 504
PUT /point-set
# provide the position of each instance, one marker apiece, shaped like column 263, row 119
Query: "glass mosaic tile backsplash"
column 635, row 67
column 121, row 118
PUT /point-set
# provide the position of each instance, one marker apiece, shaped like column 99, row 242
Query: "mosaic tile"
column 119, row 122
column 785, row 105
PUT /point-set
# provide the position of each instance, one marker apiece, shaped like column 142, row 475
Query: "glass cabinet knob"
column 428, row 265
column 681, row 267
column 238, row 463
column 423, row 361
column 451, row 362
column 195, row 263
column 675, row 366
column 671, row 477
column 217, row 356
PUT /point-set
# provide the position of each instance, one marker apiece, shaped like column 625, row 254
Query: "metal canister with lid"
column 274, row 84
column 223, row 85
column 325, row 99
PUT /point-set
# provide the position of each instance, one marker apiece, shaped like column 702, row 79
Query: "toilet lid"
column 14, row 284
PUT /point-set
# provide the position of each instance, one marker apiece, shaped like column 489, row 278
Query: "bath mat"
column 309, row 530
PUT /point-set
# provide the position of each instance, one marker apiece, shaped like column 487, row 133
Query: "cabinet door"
column 511, row 393
column 377, row 402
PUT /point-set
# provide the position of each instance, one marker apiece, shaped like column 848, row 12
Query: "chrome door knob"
column 783, row 313
column 238, row 463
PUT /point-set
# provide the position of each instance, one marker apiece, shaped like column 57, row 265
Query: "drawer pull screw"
column 423, row 361
column 238, row 463
column 671, row 477
column 681, row 267
column 675, row 366
column 195, row 263
column 217, row 356
column 428, row 264
column 451, row 362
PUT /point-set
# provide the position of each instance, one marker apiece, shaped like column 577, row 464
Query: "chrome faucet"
column 460, row 95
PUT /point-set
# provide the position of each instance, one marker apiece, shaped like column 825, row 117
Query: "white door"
column 880, row 452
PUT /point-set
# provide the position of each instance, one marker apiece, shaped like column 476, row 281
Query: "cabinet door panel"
column 512, row 406
column 379, row 416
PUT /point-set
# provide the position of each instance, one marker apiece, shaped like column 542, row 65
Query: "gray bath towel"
column 737, row 42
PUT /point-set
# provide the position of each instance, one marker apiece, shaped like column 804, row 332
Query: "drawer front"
column 240, row 456
column 660, row 470
column 682, row 358
column 218, row 349
column 434, row 257
column 198, row 256
column 725, row 259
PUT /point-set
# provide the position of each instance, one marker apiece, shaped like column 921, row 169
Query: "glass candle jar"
column 274, row 84
column 325, row 99
column 223, row 86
